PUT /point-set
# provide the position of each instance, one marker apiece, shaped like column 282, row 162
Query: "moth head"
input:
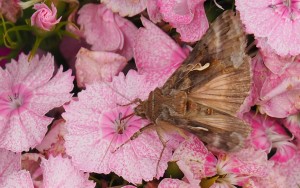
column 140, row 110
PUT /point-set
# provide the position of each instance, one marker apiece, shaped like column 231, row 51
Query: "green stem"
column 37, row 43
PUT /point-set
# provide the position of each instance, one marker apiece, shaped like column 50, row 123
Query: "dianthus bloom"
column 11, row 174
column 44, row 17
column 100, row 122
column 126, row 7
column 187, row 16
column 28, row 90
column 107, row 31
column 277, row 21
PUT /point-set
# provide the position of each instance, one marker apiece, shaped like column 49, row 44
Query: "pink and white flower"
column 56, row 169
column 28, row 90
column 44, row 17
column 187, row 16
column 126, row 7
column 107, row 31
column 11, row 174
column 98, row 123
column 278, row 21
column 267, row 133
column 92, row 66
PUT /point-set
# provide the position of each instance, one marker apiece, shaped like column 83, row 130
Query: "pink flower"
column 267, row 133
column 282, row 175
column 31, row 162
column 10, row 9
column 28, row 90
column 99, row 124
column 275, row 63
column 11, row 174
column 44, row 18
column 60, row 172
column 126, row 7
column 277, row 21
column 195, row 161
column 107, row 31
column 276, row 95
column 238, row 168
column 292, row 123
column 155, row 53
column 187, row 16
column 53, row 142
column 94, row 66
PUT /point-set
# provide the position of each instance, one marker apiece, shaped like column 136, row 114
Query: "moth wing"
column 216, row 129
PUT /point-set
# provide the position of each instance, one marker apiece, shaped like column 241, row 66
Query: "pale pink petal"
column 177, row 12
column 126, row 7
column 59, row 172
column 20, row 179
column 277, row 21
column 155, row 53
column 153, row 11
column 53, row 142
column 193, row 156
column 92, row 66
column 281, row 90
column 175, row 183
column 138, row 160
column 31, row 162
column 194, row 30
column 106, row 31
column 187, row 16
column 9, row 162
column 274, row 62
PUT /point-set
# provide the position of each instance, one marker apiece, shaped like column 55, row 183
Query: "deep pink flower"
column 155, row 53
column 28, row 90
column 60, row 172
column 98, row 123
column 267, row 133
column 44, row 18
column 278, row 21
column 187, row 16
column 94, row 66
column 11, row 174
column 126, row 7
column 107, row 31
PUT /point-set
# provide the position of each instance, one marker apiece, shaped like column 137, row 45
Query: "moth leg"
column 135, row 101
column 159, row 132
column 135, row 135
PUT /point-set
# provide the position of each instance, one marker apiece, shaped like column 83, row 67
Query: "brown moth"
column 205, row 93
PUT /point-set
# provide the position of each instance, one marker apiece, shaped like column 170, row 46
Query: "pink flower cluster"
column 48, row 134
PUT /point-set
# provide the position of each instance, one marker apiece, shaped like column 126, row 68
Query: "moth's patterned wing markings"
column 220, row 88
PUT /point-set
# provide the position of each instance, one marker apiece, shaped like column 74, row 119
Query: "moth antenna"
column 107, row 84
column 107, row 150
